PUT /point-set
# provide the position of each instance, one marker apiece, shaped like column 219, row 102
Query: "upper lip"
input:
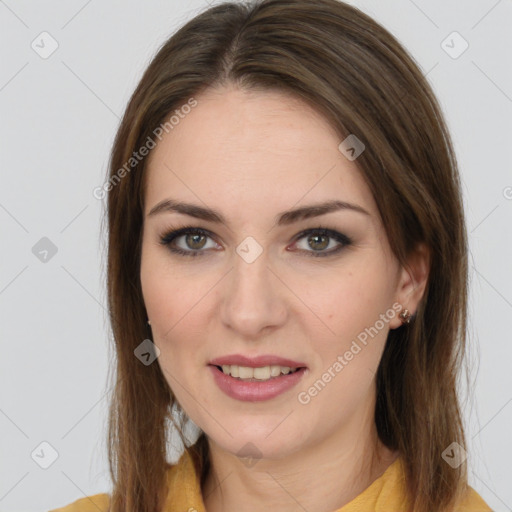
column 256, row 362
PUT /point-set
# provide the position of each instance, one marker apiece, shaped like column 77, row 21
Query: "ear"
column 412, row 282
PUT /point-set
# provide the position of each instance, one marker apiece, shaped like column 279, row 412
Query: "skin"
column 252, row 155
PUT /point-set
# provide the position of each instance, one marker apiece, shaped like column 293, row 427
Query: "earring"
column 149, row 323
column 405, row 316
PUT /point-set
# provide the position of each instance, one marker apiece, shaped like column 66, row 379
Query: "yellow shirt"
column 385, row 494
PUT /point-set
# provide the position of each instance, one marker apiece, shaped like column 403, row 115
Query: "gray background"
column 58, row 118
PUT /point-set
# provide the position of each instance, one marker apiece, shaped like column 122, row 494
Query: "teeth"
column 261, row 373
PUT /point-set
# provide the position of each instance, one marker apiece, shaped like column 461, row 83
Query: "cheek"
column 349, row 355
column 167, row 293
column 158, row 297
column 174, row 302
column 354, row 300
column 351, row 306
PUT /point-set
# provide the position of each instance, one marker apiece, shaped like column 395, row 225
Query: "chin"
column 257, row 444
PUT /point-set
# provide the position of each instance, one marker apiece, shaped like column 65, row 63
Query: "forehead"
column 252, row 147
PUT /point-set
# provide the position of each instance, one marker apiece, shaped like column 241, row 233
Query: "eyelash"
column 169, row 237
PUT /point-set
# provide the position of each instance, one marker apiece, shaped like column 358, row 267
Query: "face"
column 255, row 285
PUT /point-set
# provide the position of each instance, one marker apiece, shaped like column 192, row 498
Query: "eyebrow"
column 283, row 218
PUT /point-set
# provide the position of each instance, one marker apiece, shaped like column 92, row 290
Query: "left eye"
column 195, row 241
column 320, row 239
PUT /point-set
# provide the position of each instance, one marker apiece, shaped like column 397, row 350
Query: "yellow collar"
column 384, row 494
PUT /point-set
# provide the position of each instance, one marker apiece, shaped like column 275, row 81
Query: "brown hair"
column 354, row 72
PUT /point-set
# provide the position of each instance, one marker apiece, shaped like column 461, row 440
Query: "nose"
column 254, row 298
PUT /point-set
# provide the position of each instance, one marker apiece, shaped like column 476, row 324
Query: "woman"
column 287, row 267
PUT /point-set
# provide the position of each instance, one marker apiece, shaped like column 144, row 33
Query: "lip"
column 255, row 391
column 256, row 362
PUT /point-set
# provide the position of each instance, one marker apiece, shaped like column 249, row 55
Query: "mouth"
column 256, row 374
column 256, row 384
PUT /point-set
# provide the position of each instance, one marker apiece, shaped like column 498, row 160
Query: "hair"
column 358, row 76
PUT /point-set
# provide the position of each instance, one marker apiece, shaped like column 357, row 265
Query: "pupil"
column 194, row 239
column 317, row 237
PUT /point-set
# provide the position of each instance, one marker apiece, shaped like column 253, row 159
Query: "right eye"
column 194, row 240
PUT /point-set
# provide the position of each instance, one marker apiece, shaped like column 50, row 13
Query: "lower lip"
column 255, row 391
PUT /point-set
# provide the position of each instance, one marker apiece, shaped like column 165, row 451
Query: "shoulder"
column 472, row 502
column 95, row 503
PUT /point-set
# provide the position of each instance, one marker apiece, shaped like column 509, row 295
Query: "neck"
column 320, row 477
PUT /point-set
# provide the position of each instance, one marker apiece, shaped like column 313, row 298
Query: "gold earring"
column 405, row 316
